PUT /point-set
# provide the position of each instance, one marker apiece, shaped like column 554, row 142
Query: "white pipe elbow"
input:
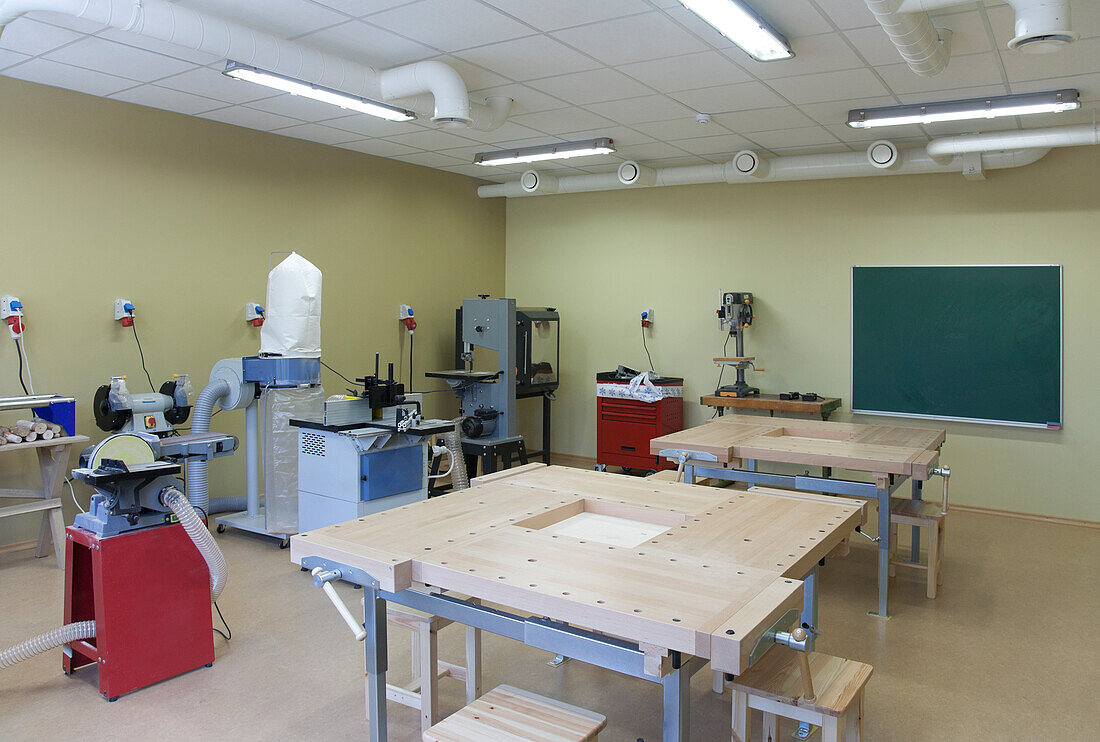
column 491, row 115
column 452, row 100
column 945, row 149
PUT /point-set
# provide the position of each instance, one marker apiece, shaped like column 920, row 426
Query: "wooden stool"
column 422, row 693
column 774, row 686
column 507, row 714
column 905, row 512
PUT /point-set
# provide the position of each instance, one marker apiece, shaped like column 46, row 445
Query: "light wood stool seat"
column 507, row 714
column 427, row 669
column 774, row 686
column 921, row 514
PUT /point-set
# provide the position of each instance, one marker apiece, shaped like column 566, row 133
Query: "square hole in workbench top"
column 604, row 521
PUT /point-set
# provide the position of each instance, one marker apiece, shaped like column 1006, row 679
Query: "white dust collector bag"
column 292, row 314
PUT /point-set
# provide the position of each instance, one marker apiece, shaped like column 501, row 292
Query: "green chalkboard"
column 980, row 343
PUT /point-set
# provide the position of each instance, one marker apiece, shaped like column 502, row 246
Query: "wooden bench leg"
column 853, row 720
column 57, row 526
column 429, row 679
column 933, row 557
column 473, row 664
column 43, row 534
column 739, row 725
column 770, row 728
column 830, row 729
column 718, row 682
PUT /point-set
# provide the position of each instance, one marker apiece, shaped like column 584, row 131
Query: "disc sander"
column 128, row 448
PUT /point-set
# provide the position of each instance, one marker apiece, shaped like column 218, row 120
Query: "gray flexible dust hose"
column 200, row 535
column 459, row 479
column 70, row 632
column 197, row 488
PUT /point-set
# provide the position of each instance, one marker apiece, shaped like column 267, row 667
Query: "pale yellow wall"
column 101, row 199
column 602, row 257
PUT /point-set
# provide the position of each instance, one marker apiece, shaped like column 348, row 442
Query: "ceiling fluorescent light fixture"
column 740, row 24
column 1053, row 101
column 316, row 92
column 560, row 151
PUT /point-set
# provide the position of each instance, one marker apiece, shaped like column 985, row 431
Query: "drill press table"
column 729, row 447
column 662, row 576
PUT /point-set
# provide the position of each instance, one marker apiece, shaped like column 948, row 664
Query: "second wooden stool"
column 507, row 714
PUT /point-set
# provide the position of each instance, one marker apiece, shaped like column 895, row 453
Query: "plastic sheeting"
column 292, row 313
column 280, row 451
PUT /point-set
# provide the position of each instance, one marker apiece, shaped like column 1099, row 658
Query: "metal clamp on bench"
column 682, row 458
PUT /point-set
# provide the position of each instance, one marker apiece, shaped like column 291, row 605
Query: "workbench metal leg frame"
column 374, row 615
column 883, row 551
column 917, row 495
column 676, row 706
column 809, row 604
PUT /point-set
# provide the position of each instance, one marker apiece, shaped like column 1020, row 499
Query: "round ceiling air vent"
column 529, row 181
column 882, row 154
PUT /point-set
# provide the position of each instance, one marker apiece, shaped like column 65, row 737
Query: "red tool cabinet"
column 625, row 426
column 149, row 594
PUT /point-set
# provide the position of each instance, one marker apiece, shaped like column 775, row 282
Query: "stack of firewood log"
column 27, row 431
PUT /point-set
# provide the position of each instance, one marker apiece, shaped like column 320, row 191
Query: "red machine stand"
column 149, row 594
column 625, row 426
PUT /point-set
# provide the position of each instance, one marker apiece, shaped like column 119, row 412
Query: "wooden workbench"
column 53, row 458
column 668, row 567
column 822, row 407
column 729, row 448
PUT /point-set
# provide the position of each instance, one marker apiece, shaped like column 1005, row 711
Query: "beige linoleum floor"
column 1009, row 651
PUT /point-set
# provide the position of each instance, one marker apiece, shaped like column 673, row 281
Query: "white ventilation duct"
column 434, row 89
column 968, row 155
column 943, row 150
column 1041, row 26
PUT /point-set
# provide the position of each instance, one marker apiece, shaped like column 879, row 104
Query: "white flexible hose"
column 449, row 468
column 44, row 642
column 200, row 535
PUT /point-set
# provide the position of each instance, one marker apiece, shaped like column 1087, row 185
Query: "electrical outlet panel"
column 11, row 311
column 254, row 314
column 124, row 312
column 405, row 314
column 647, row 317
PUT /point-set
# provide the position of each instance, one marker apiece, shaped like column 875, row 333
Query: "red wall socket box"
column 625, row 426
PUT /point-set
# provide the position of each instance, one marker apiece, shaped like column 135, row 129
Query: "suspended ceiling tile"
column 360, row 7
column 430, row 159
column 685, row 128
column 963, row 72
column 874, row 45
column 642, row 110
column 701, row 30
column 794, row 18
column 466, row 154
column 120, row 60
column 957, row 94
column 808, row 136
column 525, row 99
column 157, row 46
column 472, row 171
column 30, row 37
column 865, row 136
column 764, row 119
column 632, row 39
column 8, row 58
column 1088, row 85
column 430, row 140
column 64, row 76
column 64, row 20
column 829, row 86
column 650, row 151
column 550, row 16
column 284, row 18
column 836, row 112
column 317, row 133
column 562, row 120
column 580, row 88
column 685, row 72
column 723, row 98
column 848, row 14
column 969, row 34
column 724, row 144
column 362, row 42
column 304, row 109
column 250, row 118
column 450, row 24
column 168, row 100
column 622, row 135
column 821, row 53
column 211, row 84
column 530, row 58
column 509, row 132
column 372, row 126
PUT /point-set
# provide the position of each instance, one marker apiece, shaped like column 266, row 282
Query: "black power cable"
column 133, row 325
column 19, row 353
column 330, row 368
column 228, row 636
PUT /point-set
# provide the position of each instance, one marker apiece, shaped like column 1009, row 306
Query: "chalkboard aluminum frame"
column 978, row 420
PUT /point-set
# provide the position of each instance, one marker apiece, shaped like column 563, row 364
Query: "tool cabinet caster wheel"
column 650, row 472
column 221, row 528
column 111, row 700
column 601, row 467
column 627, row 469
column 284, row 544
column 209, row 664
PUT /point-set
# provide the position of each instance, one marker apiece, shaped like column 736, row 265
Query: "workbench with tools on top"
column 729, row 447
column 662, row 576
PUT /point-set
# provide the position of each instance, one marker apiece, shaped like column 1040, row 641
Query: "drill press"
column 735, row 313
